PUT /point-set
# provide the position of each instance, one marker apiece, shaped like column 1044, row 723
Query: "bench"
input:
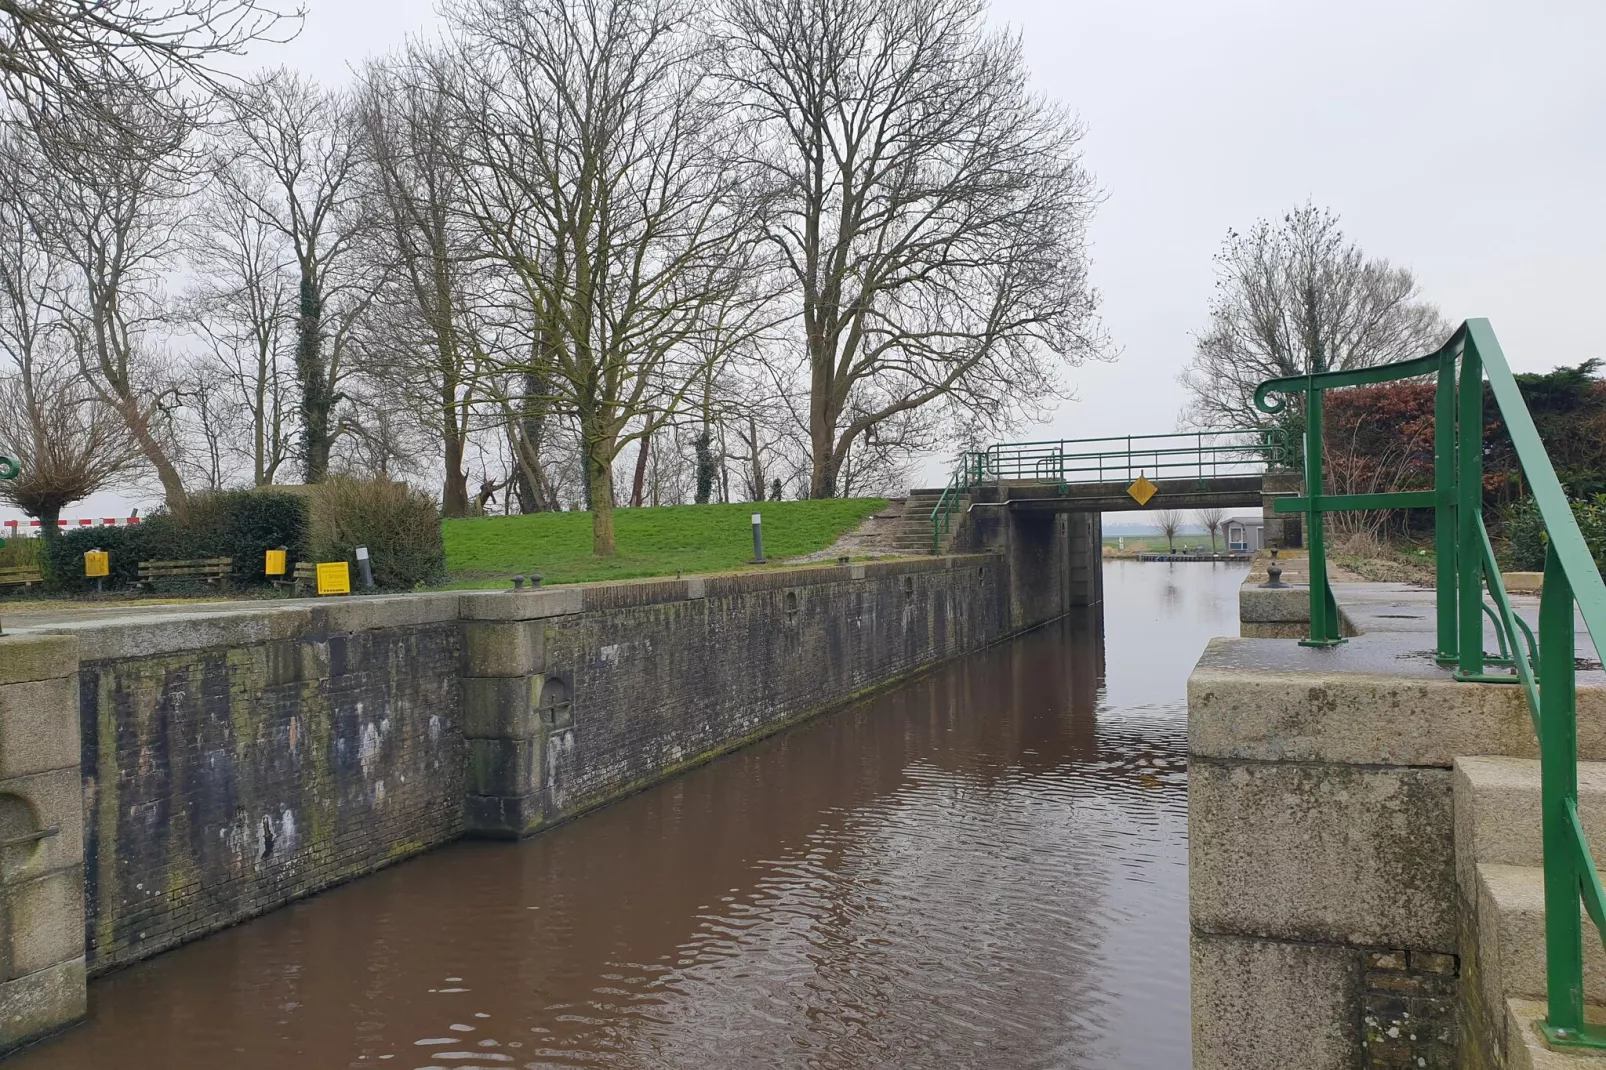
column 302, row 573
column 23, row 576
column 211, row 570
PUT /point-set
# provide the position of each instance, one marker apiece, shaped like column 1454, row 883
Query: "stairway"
column 1498, row 870
column 913, row 533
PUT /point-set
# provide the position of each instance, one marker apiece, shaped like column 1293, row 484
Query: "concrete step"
column 1525, row 1049
column 1511, row 935
column 1497, row 812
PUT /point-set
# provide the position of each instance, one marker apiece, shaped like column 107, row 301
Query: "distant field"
column 1157, row 543
column 652, row 542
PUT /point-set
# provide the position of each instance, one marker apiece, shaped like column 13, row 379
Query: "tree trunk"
column 639, row 484
column 822, row 477
column 317, row 393
column 758, row 462
column 49, row 517
column 454, row 495
column 599, row 489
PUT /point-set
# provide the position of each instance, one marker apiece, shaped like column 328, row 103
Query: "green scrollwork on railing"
column 9, row 469
column 1544, row 666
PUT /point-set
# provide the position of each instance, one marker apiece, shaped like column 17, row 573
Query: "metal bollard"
column 363, row 567
column 758, row 538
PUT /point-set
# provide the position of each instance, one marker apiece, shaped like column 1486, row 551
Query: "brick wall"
column 226, row 781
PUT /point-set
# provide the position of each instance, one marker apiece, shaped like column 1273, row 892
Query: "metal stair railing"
column 1545, row 667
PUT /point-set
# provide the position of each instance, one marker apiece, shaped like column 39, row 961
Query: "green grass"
column 652, row 542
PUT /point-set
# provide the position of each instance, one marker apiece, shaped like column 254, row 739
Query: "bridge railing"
column 1544, row 666
column 1071, row 461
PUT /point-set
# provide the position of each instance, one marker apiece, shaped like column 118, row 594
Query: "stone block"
column 511, row 648
column 25, row 658
column 1324, row 853
column 369, row 612
column 501, row 707
column 55, row 799
column 1266, row 715
column 521, row 605
column 139, row 635
column 1265, row 606
column 1523, row 582
column 42, row 1003
column 503, row 817
column 503, row 766
column 44, row 920
column 1267, row 1005
column 39, row 726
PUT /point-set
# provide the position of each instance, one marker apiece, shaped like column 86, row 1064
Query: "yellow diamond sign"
column 1142, row 490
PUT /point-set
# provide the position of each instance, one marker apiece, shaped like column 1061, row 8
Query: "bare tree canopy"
column 930, row 211
column 601, row 184
column 1169, row 521
column 1298, row 297
column 1211, row 520
column 62, row 56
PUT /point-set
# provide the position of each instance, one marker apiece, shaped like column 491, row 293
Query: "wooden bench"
column 23, row 576
column 210, row 570
column 302, row 574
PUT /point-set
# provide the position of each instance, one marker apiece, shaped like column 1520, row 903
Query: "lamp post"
column 9, row 469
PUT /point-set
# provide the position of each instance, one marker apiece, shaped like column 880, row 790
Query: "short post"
column 758, row 538
column 364, row 567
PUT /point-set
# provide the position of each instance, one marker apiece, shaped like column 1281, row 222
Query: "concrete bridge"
column 1042, row 502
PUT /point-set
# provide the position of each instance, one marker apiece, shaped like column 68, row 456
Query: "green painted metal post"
column 1444, row 517
column 1558, row 761
column 1469, row 486
column 1323, row 607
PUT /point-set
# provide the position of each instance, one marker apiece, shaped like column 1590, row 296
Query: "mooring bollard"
column 364, row 568
column 758, row 538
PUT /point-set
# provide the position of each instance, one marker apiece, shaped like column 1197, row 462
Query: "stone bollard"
column 42, row 985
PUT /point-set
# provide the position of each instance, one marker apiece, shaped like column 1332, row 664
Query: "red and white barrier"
column 15, row 528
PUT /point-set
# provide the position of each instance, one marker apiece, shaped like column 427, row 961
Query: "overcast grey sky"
column 1466, row 140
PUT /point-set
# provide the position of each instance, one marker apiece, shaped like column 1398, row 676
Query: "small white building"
column 1247, row 533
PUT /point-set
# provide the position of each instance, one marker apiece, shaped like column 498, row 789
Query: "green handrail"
column 1545, row 668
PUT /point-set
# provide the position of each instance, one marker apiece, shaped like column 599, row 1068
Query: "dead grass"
column 1363, row 557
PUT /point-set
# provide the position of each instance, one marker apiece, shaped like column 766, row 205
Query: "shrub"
column 245, row 524
column 157, row 538
column 400, row 526
column 1526, row 540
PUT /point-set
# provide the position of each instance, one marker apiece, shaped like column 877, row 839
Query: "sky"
column 1464, row 139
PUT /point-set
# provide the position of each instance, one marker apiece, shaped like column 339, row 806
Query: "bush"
column 1526, row 540
column 157, row 538
column 245, row 524
column 400, row 526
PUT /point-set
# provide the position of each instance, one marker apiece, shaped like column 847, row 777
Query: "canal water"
column 986, row 867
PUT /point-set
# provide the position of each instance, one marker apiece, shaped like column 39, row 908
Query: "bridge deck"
column 1227, row 492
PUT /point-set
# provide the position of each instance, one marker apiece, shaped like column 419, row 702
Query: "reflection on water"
column 985, row 867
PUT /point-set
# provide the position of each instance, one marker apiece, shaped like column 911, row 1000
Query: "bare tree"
column 1211, row 519
column 108, row 206
column 930, row 212
column 293, row 156
column 243, row 307
column 1294, row 298
column 601, row 185
column 68, row 443
column 426, row 345
column 71, row 57
column 1169, row 521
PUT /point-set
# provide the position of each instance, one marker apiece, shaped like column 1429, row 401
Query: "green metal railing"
column 1545, row 666
column 1073, row 461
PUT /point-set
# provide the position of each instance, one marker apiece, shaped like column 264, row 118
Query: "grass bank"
column 481, row 551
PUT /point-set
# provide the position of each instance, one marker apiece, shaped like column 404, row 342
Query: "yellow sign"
column 334, row 577
column 275, row 563
column 97, row 563
column 1142, row 490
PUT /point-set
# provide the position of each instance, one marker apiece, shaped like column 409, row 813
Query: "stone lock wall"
column 198, row 769
column 41, row 839
column 575, row 696
column 223, row 781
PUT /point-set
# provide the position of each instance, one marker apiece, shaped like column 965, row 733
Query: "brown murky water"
column 986, row 867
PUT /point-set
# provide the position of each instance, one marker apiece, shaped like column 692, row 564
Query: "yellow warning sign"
column 97, row 563
column 1142, row 490
column 334, row 577
column 274, row 566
